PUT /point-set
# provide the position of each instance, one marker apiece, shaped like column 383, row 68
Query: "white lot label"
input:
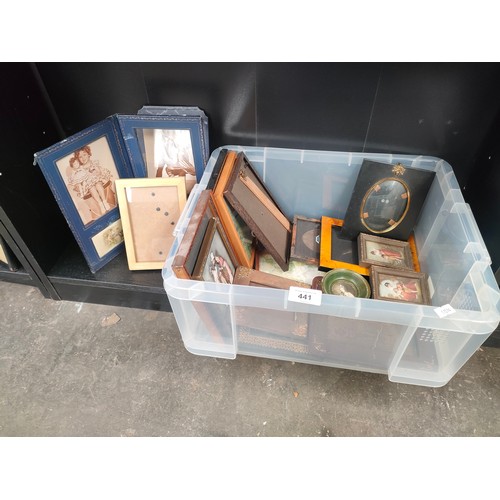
column 444, row 311
column 305, row 295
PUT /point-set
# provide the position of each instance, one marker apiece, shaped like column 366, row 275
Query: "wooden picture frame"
column 186, row 254
column 306, row 234
column 149, row 210
column 216, row 261
column 81, row 172
column 337, row 252
column 249, row 196
column 237, row 231
column 387, row 252
column 253, row 277
column 401, row 286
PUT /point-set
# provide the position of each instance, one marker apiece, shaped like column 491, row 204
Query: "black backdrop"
column 450, row 110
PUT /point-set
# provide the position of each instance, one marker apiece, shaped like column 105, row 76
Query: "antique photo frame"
column 186, row 254
column 386, row 200
column 380, row 251
column 306, row 234
column 249, row 196
column 337, row 252
column 149, row 210
column 216, row 260
column 398, row 285
column 81, row 171
column 165, row 146
column 237, row 231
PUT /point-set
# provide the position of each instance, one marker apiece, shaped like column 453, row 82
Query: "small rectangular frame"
column 216, row 260
column 388, row 252
column 150, row 210
column 306, row 235
column 248, row 195
column 400, row 286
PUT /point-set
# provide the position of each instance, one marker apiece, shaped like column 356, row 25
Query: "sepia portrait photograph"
column 89, row 173
column 169, row 153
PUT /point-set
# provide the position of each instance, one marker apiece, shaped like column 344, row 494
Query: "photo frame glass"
column 150, row 210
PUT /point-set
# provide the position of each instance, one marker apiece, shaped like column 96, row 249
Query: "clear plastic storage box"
column 413, row 344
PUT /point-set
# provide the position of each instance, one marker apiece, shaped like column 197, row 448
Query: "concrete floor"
column 65, row 373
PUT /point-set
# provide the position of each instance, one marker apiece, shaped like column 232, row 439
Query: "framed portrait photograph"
column 386, row 200
column 398, row 285
column 249, row 196
column 186, row 254
column 81, row 172
column 149, row 210
column 337, row 252
column 181, row 111
column 238, row 232
column 165, row 146
column 379, row 251
column 216, row 261
column 306, row 235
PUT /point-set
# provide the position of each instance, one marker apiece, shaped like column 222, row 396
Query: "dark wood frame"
column 403, row 247
column 249, row 196
column 187, row 252
column 214, row 230
column 301, row 226
column 253, row 277
column 235, row 227
column 377, row 277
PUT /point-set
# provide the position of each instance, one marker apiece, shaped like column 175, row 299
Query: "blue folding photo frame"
column 81, row 171
column 165, row 145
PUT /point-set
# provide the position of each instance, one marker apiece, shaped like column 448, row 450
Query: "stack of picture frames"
column 237, row 234
column 376, row 240
column 236, row 223
column 123, row 182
